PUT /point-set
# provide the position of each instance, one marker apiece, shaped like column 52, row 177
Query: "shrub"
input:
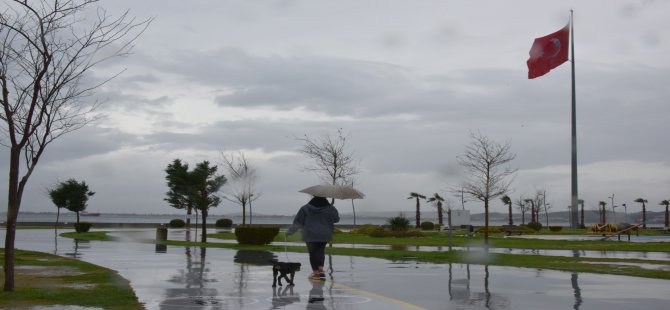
column 365, row 229
column 177, row 223
column 427, row 226
column 555, row 228
column 492, row 230
column 224, row 223
column 82, row 227
column 536, row 226
column 398, row 223
column 258, row 235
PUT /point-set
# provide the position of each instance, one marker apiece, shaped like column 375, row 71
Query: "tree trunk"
column 418, row 214
column 511, row 222
column 486, row 221
column 644, row 216
column 189, row 211
column 244, row 214
column 439, row 213
column 204, row 226
column 667, row 223
column 57, row 219
column 13, row 205
column 582, row 217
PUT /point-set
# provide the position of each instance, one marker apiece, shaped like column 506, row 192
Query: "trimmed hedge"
column 224, row 223
column 259, row 235
column 536, row 226
column 82, row 227
column 177, row 223
column 427, row 225
column 555, row 228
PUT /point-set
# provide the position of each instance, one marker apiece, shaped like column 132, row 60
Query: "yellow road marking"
column 377, row 296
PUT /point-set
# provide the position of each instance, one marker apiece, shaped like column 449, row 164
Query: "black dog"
column 283, row 269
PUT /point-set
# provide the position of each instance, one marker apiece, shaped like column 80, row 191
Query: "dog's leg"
column 283, row 275
column 292, row 276
column 274, row 277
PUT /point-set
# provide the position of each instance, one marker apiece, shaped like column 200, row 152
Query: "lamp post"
column 625, row 210
column 613, row 206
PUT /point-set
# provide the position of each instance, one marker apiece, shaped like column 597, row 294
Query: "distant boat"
column 89, row 214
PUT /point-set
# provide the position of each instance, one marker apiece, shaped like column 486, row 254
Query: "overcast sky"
column 406, row 80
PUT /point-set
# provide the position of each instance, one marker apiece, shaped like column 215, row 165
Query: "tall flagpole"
column 575, row 199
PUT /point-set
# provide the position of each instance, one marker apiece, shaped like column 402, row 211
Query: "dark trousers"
column 317, row 254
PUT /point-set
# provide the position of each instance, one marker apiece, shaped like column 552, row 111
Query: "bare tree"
column 331, row 159
column 523, row 208
column 46, row 51
column 243, row 178
column 485, row 161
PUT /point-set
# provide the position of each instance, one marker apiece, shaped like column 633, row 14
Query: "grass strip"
column 441, row 239
column 43, row 279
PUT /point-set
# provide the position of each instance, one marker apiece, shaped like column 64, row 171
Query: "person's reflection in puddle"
column 283, row 296
column 316, row 299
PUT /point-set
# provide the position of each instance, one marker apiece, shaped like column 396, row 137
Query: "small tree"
column 666, row 203
column 71, row 195
column 177, row 178
column 243, row 179
column 331, row 159
column 508, row 202
column 485, row 161
column 204, row 184
column 531, row 202
column 523, row 208
column 437, row 200
column 644, row 211
column 417, row 196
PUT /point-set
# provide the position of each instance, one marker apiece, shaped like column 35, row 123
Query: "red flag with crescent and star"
column 548, row 52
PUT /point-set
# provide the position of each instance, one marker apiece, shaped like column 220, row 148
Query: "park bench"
column 509, row 230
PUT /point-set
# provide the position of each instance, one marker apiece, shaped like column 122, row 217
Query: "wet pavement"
column 174, row 277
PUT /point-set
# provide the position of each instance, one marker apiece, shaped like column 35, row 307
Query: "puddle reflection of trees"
column 77, row 246
column 194, row 278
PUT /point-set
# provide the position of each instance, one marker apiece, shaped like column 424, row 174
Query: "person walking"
column 317, row 220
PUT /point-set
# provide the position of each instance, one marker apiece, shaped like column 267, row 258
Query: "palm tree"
column 438, row 204
column 417, row 196
column 508, row 201
column 603, row 217
column 644, row 211
column 666, row 203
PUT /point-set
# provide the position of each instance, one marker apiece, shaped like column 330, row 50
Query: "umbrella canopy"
column 333, row 191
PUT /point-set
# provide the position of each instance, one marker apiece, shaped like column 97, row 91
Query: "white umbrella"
column 333, row 191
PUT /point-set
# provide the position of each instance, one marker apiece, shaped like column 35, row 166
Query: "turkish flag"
column 548, row 52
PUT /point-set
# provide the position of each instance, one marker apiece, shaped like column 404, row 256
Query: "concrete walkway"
column 206, row 278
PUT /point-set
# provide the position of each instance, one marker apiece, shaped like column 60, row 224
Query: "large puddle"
column 206, row 278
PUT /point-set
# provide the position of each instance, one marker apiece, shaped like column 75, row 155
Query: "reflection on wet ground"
column 567, row 253
column 179, row 277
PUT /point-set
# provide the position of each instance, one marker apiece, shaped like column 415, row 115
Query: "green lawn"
column 45, row 279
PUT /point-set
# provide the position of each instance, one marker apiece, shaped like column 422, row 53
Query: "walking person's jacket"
column 317, row 220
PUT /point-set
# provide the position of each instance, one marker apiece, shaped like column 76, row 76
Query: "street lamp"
column 625, row 210
column 613, row 206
